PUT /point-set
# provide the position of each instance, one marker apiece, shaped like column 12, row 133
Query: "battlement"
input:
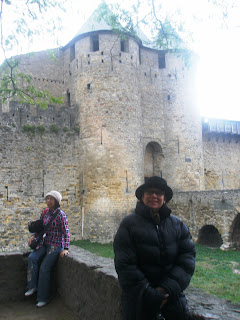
column 14, row 114
column 221, row 126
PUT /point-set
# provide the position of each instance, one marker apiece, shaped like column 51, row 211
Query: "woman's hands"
column 63, row 253
column 31, row 239
column 165, row 297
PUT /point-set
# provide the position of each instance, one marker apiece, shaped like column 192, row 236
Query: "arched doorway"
column 209, row 236
column 153, row 160
column 236, row 232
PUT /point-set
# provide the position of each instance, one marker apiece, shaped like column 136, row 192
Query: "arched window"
column 153, row 160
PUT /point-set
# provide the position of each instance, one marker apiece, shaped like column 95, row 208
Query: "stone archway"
column 153, row 160
column 236, row 232
column 209, row 236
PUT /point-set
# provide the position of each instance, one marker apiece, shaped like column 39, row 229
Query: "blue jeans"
column 40, row 266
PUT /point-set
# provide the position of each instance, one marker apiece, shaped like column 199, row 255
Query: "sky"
column 217, row 78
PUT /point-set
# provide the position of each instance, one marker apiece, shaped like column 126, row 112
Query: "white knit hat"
column 55, row 194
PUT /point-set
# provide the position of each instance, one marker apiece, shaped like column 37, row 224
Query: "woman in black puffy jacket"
column 154, row 257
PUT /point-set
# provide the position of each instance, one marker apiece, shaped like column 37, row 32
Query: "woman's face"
column 153, row 198
column 50, row 201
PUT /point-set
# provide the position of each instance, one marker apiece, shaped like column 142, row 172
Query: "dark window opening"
column 120, row 61
column 68, row 99
column 6, row 187
column 95, row 43
column 161, row 61
column 102, row 61
column 72, row 52
column 102, row 53
column 209, row 236
column 89, row 86
column 124, row 46
column 168, row 97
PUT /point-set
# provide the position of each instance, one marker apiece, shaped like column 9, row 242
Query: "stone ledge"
column 88, row 285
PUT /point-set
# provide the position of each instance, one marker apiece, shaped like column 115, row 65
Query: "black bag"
column 36, row 241
column 36, row 226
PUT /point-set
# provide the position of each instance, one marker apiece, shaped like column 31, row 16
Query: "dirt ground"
column 27, row 310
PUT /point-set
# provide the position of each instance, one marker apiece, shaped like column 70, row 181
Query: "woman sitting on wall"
column 55, row 243
column 154, row 257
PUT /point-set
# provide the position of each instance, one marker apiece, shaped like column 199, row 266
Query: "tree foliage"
column 168, row 27
column 20, row 22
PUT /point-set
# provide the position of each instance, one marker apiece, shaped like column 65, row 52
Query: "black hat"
column 155, row 182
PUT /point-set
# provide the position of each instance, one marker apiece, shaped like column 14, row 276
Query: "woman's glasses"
column 158, row 193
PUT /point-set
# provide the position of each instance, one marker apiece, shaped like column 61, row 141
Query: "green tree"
column 20, row 22
column 170, row 25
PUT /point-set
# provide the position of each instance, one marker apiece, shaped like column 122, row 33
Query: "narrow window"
column 161, row 61
column 68, row 98
column 72, row 52
column 124, row 46
column 88, row 86
column 95, row 43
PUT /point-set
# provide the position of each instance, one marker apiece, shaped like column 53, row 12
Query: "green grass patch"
column 214, row 271
column 104, row 250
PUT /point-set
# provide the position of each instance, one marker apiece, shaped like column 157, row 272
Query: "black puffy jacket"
column 148, row 256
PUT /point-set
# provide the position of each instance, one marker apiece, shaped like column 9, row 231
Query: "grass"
column 103, row 250
column 214, row 272
column 214, row 268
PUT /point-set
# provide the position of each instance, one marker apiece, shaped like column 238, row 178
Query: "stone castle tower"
column 136, row 113
column 137, row 118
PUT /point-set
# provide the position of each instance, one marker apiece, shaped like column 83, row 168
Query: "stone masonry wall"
column 45, row 69
column 221, row 161
column 31, row 164
column 215, row 208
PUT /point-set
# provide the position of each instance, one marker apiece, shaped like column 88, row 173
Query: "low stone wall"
column 88, row 285
column 13, row 270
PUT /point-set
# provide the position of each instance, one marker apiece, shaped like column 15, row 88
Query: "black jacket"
column 147, row 256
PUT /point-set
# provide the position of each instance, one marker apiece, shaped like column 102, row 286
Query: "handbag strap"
column 45, row 210
column 50, row 221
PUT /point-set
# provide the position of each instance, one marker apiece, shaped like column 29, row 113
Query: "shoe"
column 30, row 292
column 41, row 304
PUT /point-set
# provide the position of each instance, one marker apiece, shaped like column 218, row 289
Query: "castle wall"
column 45, row 69
column 216, row 208
column 182, row 124
column 221, row 161
column 124, row 107
column 30, row 166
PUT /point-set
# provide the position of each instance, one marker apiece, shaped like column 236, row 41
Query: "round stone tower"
column 134, row 109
